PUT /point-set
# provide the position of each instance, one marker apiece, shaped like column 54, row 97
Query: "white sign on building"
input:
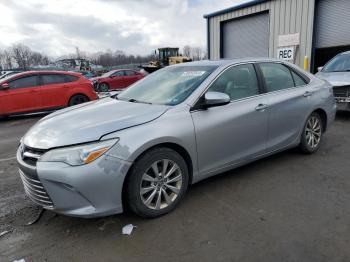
column 289, row 40
column 286, row 53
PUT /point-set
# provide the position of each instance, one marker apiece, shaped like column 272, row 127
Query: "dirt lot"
column 289, row 207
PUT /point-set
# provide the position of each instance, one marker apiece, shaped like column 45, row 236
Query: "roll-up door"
column 246, row 37
column 332, row 23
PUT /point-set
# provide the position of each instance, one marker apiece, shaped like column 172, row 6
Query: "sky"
column 57, row 27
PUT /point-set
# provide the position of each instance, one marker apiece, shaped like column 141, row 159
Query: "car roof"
column 225, row 62
column 42, row 72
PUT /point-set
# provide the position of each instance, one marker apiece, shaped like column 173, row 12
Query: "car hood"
column 335, row 78
column 89, row 122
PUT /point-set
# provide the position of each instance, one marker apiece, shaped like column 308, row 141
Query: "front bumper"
column 343, row 103
column 90, row 190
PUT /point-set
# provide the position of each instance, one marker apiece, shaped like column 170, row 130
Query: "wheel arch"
column 322, row 113
column 75, row 94
column 174, row 146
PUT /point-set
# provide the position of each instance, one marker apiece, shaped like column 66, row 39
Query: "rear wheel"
column 312, row 134
column 103, row 87
column 157, row 182
column 77, row 99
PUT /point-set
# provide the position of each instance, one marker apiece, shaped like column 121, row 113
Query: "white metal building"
column 286, row 29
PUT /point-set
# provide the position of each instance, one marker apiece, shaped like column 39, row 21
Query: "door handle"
column 307, row 94
column 261, row 107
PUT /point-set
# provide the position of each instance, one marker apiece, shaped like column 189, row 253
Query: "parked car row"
column 37, row 91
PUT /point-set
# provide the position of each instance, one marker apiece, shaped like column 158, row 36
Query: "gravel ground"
column 288, row 207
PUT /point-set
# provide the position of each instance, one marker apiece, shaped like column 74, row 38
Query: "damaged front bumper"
column 90, row 190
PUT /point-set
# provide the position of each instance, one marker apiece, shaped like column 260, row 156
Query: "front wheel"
column 312, row 134
column 103, row 87
column 157, row 183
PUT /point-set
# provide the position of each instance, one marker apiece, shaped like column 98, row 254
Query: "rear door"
column 236, row 132
column 130, row 77
column 53, row 90
column 21, row 95
column 289, row 100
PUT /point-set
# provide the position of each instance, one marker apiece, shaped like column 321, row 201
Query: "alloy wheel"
column 161, row 184
column 313, row 132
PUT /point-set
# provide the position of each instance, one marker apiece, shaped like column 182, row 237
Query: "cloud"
column 134, row 26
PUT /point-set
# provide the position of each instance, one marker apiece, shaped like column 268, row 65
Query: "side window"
column 71, row 78
column 238, row 82
column 129, row 73
column 118, row 73
column 27, row 81
column 298, row 80
column 276, row 76
column 53, row 79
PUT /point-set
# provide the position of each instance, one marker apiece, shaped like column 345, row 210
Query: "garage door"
column 332, row 23
column 246, row 37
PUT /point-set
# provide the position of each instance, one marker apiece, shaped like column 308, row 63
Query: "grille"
column 35, row 190
column 31, row 156
column 341, row 91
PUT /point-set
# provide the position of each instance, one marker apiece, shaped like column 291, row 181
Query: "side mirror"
column 5, row 86
column 319, row 69
column 212, row 99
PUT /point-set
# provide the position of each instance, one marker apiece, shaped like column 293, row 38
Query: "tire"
column 312, row 134
column 151, row 196
column 77, row 99
column 103, row 87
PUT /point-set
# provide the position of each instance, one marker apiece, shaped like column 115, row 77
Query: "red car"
column 117, row 79
column 35, row 91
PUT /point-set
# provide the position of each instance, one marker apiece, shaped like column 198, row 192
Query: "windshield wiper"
column 132, row 100
column 338, row 71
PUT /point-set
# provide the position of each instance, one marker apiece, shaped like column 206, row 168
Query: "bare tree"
column 187, row 51
column 197, row 53
column 37, row 59
column 6, row 61
column 21, row 54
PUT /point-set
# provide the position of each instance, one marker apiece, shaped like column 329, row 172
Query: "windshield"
column 4, row 78
column 168, row 86
column 340, row 63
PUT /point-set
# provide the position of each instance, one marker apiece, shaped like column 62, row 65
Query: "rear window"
column 57, row 79
column 298, row 80
column 53, row 79
column 71, row 78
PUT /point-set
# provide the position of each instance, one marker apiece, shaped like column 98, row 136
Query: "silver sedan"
column 337, row 73
column 177, row 126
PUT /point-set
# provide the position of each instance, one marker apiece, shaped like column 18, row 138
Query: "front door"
column 21, row 96
column 236, row 132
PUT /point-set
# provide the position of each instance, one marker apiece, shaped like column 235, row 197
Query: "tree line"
column 23, row 57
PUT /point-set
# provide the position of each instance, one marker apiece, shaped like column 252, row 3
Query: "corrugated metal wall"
column 333, row 23
column 286, row 17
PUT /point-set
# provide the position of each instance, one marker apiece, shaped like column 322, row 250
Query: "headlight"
column 78, row 155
